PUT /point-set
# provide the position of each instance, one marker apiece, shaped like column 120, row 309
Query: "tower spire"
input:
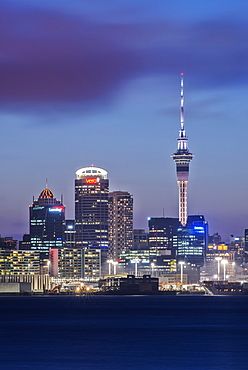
column 182, row 104
column 182, row 158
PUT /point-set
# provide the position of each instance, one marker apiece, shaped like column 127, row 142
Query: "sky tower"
column 182, row 157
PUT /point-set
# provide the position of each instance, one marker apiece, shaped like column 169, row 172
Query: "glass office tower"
column 91, row 210
column 47, row 218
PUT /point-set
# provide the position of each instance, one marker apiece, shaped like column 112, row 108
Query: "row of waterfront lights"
column 114, row 263
column 224, row 262
column 135, row 261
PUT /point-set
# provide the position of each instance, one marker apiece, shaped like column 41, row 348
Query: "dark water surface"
column 125, row 332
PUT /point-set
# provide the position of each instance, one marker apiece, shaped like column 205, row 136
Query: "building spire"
column 182, row 146
column 182, row 104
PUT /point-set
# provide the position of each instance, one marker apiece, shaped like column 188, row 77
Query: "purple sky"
column 98, row 82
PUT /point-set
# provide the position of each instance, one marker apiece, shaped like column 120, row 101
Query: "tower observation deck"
column 182, row 158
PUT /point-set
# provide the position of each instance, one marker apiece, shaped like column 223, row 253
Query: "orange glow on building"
column 91, row 181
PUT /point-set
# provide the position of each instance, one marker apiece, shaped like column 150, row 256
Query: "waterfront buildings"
column 139, row 285
column 182, row 158
column 130, row 285
column 75, row 263
column 18, row 262
column 92, row 264
column 66, row 263
column 120, row 223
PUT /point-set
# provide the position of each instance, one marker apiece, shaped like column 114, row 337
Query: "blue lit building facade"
column 47, row 220
column 162, row 239
column 192, row 241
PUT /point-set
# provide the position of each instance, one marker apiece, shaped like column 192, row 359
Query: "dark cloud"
column 52, row 57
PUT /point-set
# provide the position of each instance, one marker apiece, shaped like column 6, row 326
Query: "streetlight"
column 109, row 262
column 135, row 261
column 152, row 266
column 114, row 263
column 224, row 263
column 181, row 263
column 48, row 265
column 218, row 259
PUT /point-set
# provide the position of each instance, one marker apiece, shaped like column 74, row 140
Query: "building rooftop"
column 46, row 194
column 91, row 171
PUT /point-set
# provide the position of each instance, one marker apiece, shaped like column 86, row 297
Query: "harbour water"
column 124, row 332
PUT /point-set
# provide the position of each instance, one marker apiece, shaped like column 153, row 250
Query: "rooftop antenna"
column 182, row 105
column 46, row 183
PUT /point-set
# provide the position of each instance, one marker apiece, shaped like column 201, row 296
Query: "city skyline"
column 85, row 84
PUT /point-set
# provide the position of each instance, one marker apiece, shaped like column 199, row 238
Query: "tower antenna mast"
column 182, row 104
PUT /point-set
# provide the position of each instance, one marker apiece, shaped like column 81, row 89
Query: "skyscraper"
column 182, row 158
column 91, row 209
column 193, row 241
column 163, row 243
column 47, row 217
column 246, row 244
column 69, row 235
column 120, row 223
column 162, row 231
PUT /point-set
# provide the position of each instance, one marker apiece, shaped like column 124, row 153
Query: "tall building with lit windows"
column 246, row 245
column 47, row 218
column 69, row 236
column 163, row 233
column 162, row 239
column 91, row 209
column 193, row 241
column 120, row 223
column 182, row 158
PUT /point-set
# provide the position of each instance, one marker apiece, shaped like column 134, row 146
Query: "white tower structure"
column 182, row 158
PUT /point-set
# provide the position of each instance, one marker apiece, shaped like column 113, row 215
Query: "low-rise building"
column 16, row 262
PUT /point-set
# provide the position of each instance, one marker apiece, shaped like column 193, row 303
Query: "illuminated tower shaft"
column 182, row 158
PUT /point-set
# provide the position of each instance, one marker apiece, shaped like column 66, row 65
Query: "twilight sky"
column 98, row 82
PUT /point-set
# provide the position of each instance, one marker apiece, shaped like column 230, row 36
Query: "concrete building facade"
column 120, row 223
